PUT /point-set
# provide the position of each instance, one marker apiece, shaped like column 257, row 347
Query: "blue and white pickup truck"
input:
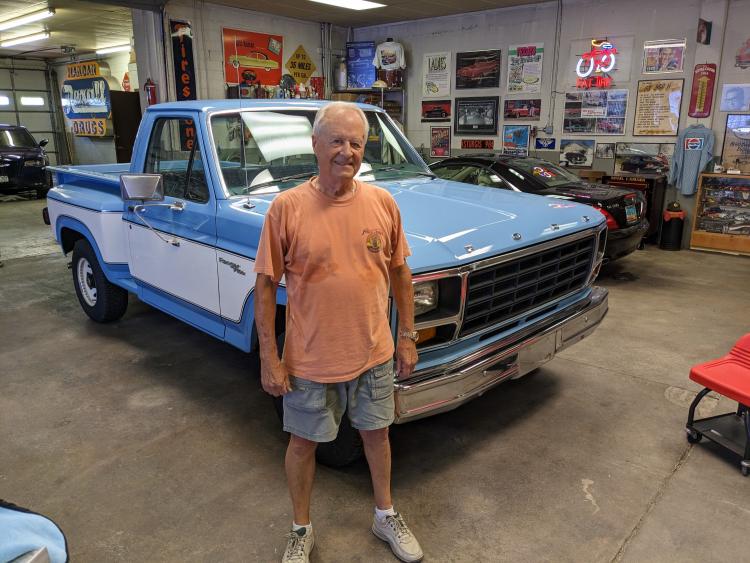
column 502, row 281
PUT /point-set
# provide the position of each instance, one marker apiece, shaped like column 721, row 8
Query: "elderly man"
column 340, row 244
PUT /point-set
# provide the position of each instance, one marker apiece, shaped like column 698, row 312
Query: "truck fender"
column 70, row 230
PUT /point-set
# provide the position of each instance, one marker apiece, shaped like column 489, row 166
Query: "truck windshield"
column 270, row 151
column 16, row 138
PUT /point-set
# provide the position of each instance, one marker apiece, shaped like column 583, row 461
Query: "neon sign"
column 593, row 67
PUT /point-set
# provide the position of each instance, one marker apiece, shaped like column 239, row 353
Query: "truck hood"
column 449, row 223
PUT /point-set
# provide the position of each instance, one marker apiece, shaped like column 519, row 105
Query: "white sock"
column 381, row 514
column 296, row 527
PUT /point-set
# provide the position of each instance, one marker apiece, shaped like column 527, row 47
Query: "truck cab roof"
column 210, row 106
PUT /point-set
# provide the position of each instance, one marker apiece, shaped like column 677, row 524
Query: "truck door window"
column 174, row 152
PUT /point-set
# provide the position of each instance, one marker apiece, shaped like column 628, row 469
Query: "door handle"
column 177, row 206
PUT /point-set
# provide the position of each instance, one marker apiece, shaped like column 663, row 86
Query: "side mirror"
column 145, row 187
column 43, row 142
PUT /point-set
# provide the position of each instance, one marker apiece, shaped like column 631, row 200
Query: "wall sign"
column 301, row 66
column 182, row 56
column 702, row 92
column 252, row 58
column 482, row 144
column 657, row 109
column 440, row 142
column 545, row 143
column 593, row 68
column 525, row 68
column 436, row 75
column 85, row 99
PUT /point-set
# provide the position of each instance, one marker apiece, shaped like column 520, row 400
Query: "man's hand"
column 274, row 378
column 406, row 357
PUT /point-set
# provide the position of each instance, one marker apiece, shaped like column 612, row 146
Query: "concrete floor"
column 147, row 440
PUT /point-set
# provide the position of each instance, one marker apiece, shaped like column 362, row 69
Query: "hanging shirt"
column 389, row 56
column 692, row 151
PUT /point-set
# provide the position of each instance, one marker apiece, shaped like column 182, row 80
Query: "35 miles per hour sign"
column 300, row 65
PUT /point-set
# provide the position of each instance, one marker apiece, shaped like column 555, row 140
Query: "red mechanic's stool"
column 728, row 376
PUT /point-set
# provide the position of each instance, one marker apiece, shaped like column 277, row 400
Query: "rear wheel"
column 100, row 299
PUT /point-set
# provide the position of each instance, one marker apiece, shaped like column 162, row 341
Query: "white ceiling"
column 85, row 25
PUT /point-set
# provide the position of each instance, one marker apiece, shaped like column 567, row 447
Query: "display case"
column 721, row 220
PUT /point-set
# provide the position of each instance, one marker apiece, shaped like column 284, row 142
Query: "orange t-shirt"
column 336, row 256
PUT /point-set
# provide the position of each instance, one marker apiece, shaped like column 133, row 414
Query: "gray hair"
column 322, row 116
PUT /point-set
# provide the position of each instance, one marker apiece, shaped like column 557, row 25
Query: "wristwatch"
column 413, row 335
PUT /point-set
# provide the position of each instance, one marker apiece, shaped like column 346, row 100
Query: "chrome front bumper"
column 454, row 384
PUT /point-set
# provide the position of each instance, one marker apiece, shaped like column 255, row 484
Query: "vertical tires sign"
column 181, row 34
column 85, row 99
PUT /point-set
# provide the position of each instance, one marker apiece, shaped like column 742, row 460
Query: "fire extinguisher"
column 150, row 88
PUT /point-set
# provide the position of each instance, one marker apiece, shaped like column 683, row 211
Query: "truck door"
column 173, row 245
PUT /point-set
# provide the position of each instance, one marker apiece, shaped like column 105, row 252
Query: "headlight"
column 35, row 162
column 425, row 297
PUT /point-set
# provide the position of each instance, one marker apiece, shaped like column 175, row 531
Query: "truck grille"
column 497, row 293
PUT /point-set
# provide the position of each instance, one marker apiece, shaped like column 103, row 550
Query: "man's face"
column 340, row 145
column 734, row 100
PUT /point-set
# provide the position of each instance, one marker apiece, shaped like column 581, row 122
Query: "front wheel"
column 100, row 299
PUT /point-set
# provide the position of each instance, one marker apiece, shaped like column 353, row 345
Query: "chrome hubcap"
column 86, row 282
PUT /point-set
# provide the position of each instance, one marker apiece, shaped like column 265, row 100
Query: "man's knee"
column 301, row 447
column 379, row 436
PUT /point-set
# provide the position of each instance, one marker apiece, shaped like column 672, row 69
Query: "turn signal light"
column 427, row 334
column 611, row 223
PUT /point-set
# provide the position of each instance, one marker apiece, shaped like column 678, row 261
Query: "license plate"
column 631, row 214
column 4, row 179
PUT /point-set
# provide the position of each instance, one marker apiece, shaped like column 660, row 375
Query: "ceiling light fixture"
column 115, row 49
column 351, row 4
column 28, row 18
column 25, row 39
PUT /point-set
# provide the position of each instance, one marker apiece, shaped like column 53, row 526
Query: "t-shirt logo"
column 374, row 240
column 693, row 144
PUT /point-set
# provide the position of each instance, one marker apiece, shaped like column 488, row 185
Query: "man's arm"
column 273, row 374
column 403, row 293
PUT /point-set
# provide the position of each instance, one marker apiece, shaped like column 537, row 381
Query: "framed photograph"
column 440, row 142
column 516, row 139
column 478, row 69
column 577, row 153
column 523, row 110
column 704, row 32
column 657, row 107
column 736, row 150
column 735, row 97
column 476, row 116
column 663, row 56
column 605, row 150
column 436, row 110
column 742, row 57
column 643, row 158
column 598, row 112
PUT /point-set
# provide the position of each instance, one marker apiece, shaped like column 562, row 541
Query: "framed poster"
column 440, row 142
column 601, row 112
column 735, row 97
column 436, row 110
column 525, row 68
column 251, row 58
column 742, row 58
column 657, row 107
column 703, row 36
column 663, row 56
column 736, row 151
column 360, row 72
column 577, row 153
column 643, row 158
column 478, row 69
column 476, row 116
column 436, row 75
column 605, row 150
column 516, row 139
column 523, row 110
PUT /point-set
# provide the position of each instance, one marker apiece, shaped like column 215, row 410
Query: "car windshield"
column 270, row 151
column 551, row 175
column 16, row 138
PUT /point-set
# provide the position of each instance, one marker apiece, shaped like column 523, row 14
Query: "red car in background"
column 523, row 111
column 480, row 69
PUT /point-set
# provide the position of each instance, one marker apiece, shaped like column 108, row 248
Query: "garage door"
column 25, row 99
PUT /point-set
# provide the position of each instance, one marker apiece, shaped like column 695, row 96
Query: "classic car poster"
column 436, row 75
column 360, row 72
column 736, row 151
column 440, row 142
column 643, row 158
column 516, row 139
column 702, row 91
column 598, row 112
column 605, row 150
column 525, row 68
column 523, row 110
column 476, row 116
column 478, row 69
column 735, row 97
column 436, row 110
column 577, row 153
column 657, row 107
column 663, row 56
column 252, row 58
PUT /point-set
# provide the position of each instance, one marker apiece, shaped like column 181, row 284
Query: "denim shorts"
column 313, row 410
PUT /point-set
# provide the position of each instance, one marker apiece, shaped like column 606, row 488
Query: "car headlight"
column 425, row 297
column 35, row 162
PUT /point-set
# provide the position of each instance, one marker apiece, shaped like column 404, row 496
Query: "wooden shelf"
column 718, row 242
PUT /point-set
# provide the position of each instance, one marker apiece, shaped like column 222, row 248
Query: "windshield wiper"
column 398, row 169
column 251, row 189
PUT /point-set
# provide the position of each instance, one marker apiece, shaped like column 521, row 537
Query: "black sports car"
column 625, row 210
column 22, row 161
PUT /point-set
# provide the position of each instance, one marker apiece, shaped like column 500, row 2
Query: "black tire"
column 100, row 299
column 745, row 470
column 345, row 449
column 694, row 437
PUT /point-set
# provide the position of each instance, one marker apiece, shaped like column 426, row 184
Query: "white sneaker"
column 393, row 529
column 299, row 546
